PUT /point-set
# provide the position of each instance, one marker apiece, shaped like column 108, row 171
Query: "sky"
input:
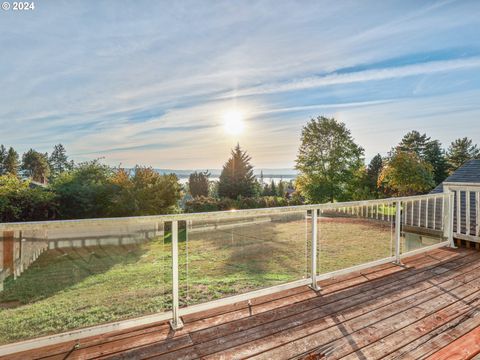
column 150, row 82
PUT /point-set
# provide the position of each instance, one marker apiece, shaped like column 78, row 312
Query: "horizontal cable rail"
column 141, row 269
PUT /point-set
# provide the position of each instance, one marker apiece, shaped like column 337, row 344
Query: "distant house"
column 465, row 183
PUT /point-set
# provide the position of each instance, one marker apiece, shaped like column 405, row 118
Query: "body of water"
column 266, row 180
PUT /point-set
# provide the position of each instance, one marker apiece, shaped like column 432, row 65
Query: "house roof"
column 467, row 173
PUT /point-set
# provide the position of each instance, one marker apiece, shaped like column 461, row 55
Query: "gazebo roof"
column 467, row 173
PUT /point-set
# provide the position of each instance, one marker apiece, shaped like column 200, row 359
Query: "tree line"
column 43, row 187
column 331, row 166
column 40, row 167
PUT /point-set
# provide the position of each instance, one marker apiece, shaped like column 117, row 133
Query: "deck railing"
column 466, row 211
column 99, row 275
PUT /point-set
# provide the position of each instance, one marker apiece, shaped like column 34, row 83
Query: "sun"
column 233, row 122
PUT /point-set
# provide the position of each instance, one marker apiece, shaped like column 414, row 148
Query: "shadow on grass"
column 248, row 255
column 59, row 269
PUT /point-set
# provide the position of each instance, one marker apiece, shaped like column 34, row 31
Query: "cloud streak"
column 362, row 76
column 150, row 87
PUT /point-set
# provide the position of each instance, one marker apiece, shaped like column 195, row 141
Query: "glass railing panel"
column 423, row 222
column 354, row 235
column 234, row 255
column 71, row 275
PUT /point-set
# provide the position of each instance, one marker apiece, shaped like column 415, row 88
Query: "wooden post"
column 8, row 250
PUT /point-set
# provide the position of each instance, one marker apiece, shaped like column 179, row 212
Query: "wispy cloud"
column 361, row 76
column 133, row 86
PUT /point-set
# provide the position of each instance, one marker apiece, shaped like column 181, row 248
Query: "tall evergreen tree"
column 273, row 188
column 237, row 177
column 374, row 170
column 3, row 156
column 435, row 156
column 266, row 190
column 12, row 162
column 36, row 166
column 281, row 189
column 414, row 142
column 460, row 151
column 59, row 160
column 428, row 150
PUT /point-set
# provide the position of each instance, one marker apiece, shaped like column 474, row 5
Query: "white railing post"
column 176, row 322
column 448, row 216
column 451, row 214
column 477, row 214
column 398, row 231
column 314, row 284
column 459, row 211
column 467, row 212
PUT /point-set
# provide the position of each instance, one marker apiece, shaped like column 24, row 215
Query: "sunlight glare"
column 233, row 122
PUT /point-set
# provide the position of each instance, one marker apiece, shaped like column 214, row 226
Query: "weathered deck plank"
column 466, row 347
column 383, row 312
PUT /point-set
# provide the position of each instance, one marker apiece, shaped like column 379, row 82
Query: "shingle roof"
column 467, row 173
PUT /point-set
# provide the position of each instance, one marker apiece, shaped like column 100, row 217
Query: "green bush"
column 20, row 202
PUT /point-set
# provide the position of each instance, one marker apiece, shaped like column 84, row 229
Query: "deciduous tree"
column 405, row 174
column 145, row 192
column 199, row 183
column 20, row 202
column 327, row 159
column 84, row 192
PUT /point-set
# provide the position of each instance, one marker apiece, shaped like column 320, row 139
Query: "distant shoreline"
column 266, row 179
column 286, row 174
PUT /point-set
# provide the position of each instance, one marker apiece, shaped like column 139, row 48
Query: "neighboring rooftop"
column 467, row 173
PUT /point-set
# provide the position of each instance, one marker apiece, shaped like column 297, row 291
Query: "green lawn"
column 73, row 288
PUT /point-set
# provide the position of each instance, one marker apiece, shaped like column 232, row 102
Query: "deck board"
column 425, row 309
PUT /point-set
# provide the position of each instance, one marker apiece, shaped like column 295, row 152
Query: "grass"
column 73, row 288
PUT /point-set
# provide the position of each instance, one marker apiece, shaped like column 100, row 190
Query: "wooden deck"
column 429, row 309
